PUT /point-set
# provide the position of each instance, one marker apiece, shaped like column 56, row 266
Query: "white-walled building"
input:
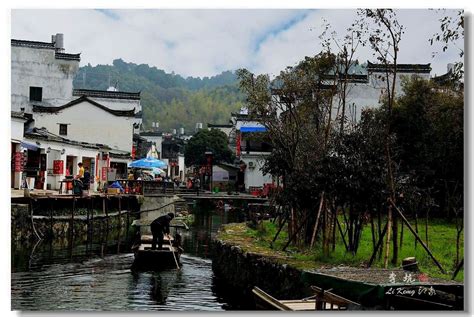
column 250, row 153
column 41, row 73
column 60, row 127
column 85, row 120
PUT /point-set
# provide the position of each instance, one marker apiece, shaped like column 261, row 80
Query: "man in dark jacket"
column 159, row 227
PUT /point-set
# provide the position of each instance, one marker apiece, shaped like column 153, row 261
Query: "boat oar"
column 172, row 252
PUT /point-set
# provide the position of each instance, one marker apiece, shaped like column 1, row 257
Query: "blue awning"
column 29, row 146
column 253, row 129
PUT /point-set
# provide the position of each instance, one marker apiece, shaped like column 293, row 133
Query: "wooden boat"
column 147, row 259
column 322, row 300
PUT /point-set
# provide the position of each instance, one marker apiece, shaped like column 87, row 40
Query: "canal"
column 97, row 277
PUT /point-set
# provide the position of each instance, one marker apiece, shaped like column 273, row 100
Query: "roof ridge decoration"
column 46, row 45
column 119, row 113
column 402, row 68
column 33, row 44
column 107, row 94
column 68, row 56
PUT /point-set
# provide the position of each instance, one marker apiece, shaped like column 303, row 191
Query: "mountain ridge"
column 168, row 98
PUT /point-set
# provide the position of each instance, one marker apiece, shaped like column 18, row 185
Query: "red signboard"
column 104, row 173
column 18, row 161
column 58, row 167
column 238, row 145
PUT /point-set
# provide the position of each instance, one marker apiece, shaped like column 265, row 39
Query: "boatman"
column 159, row 227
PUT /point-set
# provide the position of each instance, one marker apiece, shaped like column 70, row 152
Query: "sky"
column 203, row 42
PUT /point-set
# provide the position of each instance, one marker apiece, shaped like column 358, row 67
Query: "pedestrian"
column 87, row 179
column 159, row 227
column 197, row 184
column 80, row 174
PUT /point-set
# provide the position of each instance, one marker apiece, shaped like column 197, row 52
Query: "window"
column 36, row 93
column 62, row 129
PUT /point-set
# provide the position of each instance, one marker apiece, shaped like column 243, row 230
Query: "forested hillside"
column 169, row 99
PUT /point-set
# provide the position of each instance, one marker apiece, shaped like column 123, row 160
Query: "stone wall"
column 22, row 229
column 243, row 271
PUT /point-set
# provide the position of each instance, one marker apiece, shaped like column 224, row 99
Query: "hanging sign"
column 58, row 167
column 18, row 161
column 104, row 173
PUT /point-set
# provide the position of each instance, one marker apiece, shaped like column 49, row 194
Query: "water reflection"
column 96, row 275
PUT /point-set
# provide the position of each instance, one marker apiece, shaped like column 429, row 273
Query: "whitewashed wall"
column 118, row 104
column 39, row 68
column 254, row 176
column 88, row 123
column 368, row 95
column 17, row 128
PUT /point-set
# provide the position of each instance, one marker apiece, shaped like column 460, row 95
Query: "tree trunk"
column 401, row 236
column 372, row 226
column 416, row 226
column 426, row 228
column 379, row 225
column 334, row 215
column 395, row 239
column 387, row 243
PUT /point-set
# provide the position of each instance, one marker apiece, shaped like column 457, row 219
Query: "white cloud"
column 206, row 42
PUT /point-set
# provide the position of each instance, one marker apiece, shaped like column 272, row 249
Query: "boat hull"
column 147, row 259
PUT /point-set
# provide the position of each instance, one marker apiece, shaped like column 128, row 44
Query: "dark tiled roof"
column 120, row 155
column 106, row 94
column 139, row 114
column 119, row 113
column 18, row 115
column 32, row 44
column 43, row 134
column 68, row 57
column 212, row 125
column 151, row 133
column 401, row 68
column 352, row 78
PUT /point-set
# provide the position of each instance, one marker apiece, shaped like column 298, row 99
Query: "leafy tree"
column 207, row 140
column 428, row 123
column 452, row 29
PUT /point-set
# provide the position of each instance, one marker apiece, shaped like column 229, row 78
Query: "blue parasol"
column 148, row 162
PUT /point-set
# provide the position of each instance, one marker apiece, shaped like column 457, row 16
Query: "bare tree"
column 385, row 34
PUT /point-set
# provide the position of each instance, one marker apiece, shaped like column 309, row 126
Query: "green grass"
column 442, row 243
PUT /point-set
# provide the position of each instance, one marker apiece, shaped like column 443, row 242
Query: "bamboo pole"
column 458, row 268
column 342, row 234
column 317, row 221
column 379, row 243
column 417, row 237
column 387, row 243
column 296, row 232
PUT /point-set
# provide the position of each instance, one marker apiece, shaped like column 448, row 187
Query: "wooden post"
column 417, row 237
column 296, row 232
column 458, row 268
column 88, row 221
column 51, row 227
column 120, row 212
column 387, row 243
column 374, row 254
column 92, row 221
column 279, row 229
column 72, row 215
column 315, row 230
column 342, row 234
column 119, row 227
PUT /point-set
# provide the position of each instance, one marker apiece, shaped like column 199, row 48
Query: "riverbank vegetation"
column 363, row 183
column 260, row 240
